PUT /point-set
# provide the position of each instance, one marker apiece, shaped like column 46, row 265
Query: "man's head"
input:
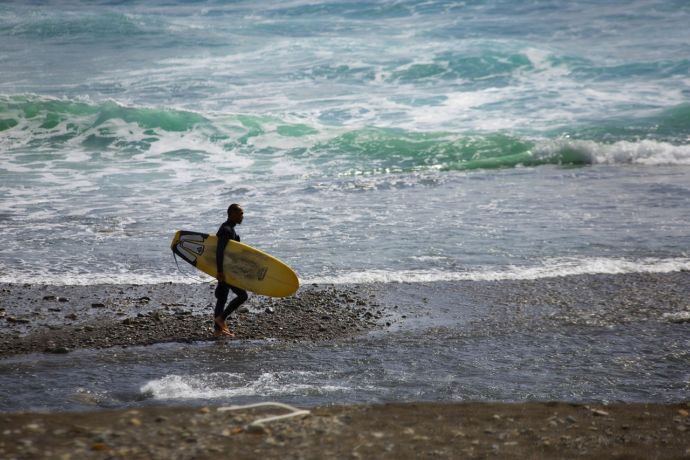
column 235, row 213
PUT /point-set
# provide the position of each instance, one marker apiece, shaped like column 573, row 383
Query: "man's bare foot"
column 220, row 323
column 222, row 327
column 223, row 333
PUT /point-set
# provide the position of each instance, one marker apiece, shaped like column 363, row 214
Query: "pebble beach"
column 392, row 431
column 66, row 318
column 63, row 320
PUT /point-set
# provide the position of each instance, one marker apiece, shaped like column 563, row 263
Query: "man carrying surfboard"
column 225, row 233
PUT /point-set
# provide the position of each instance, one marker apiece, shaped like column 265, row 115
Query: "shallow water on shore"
column 454, row 344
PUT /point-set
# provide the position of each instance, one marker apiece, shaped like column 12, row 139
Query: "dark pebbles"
column 124, row 316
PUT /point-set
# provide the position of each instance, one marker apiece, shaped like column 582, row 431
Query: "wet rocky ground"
column 40, row 318
column 37, row 318
column 395, row 431
column 601, row 300
column 59, row 319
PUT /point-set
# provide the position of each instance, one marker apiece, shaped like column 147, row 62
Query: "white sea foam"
column 645, row 152
column 190, row 387
column 77, row 278
column 230, row 385
column 461, row 107
column 548, row 269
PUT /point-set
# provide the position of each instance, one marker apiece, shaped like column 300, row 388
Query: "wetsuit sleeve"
column 223, row 238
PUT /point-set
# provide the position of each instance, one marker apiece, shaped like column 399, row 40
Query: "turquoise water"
column 330, row 122
column 384, row 141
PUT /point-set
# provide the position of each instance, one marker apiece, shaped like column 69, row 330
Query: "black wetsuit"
column 225, row 233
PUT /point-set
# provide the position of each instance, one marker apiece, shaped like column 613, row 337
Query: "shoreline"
column 66, row 318
column 59, row 319
column 393, row 430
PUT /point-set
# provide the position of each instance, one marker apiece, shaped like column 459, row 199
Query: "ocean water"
column 369, row 142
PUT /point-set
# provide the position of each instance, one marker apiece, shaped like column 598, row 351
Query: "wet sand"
column 395, row 431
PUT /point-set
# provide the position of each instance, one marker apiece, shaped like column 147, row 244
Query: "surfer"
column 225, row 233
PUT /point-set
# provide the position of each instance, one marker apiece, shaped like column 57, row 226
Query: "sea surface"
column 400, row 143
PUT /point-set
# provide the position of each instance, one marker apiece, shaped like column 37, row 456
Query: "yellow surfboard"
column 243, row 266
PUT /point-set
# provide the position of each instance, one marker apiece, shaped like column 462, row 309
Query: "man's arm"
column 223, row 238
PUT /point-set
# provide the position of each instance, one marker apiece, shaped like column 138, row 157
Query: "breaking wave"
column 40, row 124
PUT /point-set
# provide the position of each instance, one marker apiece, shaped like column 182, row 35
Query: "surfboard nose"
column 188, row 245
column 175, row 240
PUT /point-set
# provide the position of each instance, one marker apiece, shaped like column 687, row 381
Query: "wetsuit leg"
column 222, row 291
column 235, row 303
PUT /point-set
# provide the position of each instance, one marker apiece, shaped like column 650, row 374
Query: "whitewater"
column 397, row 145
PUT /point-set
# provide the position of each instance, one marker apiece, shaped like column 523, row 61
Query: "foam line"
column 549, row 269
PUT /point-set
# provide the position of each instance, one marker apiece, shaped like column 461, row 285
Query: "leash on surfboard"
column 187, row 274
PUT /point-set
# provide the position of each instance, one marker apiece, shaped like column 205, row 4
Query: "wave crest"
column 45, row 124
